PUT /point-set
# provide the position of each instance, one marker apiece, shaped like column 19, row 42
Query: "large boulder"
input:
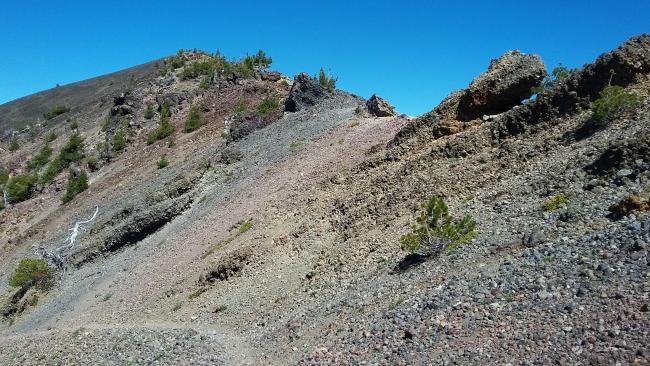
column 305, row 92
column 379, row 107
column 507, row 82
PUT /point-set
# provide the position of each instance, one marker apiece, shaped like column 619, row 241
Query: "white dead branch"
column 57, row 256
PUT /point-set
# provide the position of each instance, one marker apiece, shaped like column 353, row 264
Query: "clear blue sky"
column 411, row 52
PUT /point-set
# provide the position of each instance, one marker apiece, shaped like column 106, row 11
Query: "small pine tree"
column 51, row 136
column 20, row 187
column 77, row 183
column 73, row 150
column 326, row 81
column 119, row 141
column 436, row 230
column 148, row 113
column 614, row 101
column 13, row 145
column 165, row 128
column 40, row 159
column 162, row 162
column 194, row 120
column 31, row 272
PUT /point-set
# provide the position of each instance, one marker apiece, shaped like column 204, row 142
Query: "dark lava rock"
column 241, row 124
column 170, row 99
column 378, row 106
column 506, row 83
column 305, row 92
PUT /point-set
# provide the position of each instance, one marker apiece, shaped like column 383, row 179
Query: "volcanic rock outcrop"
column 305, row 92
column 379, row 107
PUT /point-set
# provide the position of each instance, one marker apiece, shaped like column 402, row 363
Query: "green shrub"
column 13, row 145
column 247, row 225
column 51, row 171
column 77, row 183
column 614, row 101
column 92, row 163
column 55, row 111
column 51, row 136
column 270, row 103
column 240, row 107
column 198, row 68
column 245, row 67
column 20, row 187
column 73, row 150
column 261, row 60
column 32, row 272
column 148, row 113
column 119, row 141
column 164, row 129
column 74, row 125
column 194, row 120
column 40, row 159
column 162, row 162
column 555, row 202
column 327, row 81
column 436, row 230
column 177, row 60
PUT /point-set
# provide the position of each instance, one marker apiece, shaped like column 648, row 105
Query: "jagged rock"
column 171, row 99
column 121, row 110
column 305, row 92
column 378, row 106
column 241, row 124
column 506, row 83
column 271, row 76
column 576, row 92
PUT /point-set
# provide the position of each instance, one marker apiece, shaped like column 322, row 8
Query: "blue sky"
column 411, row 52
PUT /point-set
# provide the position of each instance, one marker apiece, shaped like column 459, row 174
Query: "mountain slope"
column 274, row 238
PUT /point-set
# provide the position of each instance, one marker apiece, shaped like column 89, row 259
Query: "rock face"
column 629, row 61
column 305, row 92
column 378, row 106
column 242, row 124
column 505, row 84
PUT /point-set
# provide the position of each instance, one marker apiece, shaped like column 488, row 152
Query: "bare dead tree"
column 56, row 257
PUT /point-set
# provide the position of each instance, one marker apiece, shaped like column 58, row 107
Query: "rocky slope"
column 273, row 238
